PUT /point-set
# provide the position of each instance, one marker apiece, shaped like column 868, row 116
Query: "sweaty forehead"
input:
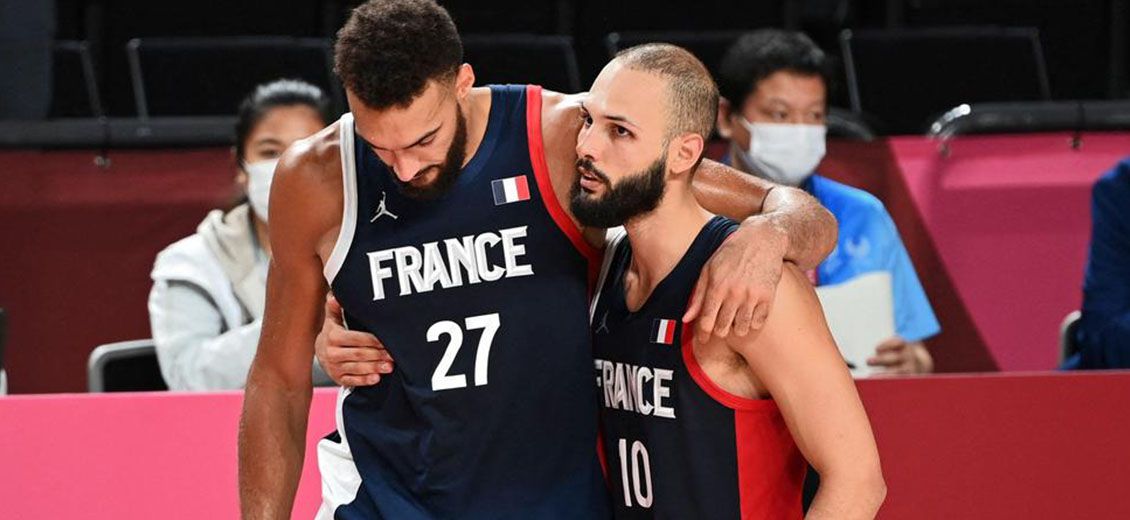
column 634, row 94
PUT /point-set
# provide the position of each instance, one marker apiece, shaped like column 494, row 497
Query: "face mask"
column 259, row 175
column 784, row 153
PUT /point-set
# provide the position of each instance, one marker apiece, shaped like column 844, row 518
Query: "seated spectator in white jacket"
column 209, row 289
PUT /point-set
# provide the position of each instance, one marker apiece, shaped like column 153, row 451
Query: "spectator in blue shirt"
column 1103, row 335
column 774, row 86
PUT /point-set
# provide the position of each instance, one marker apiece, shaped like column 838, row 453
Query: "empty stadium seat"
column 209, row 76
column 548, row 61
column 907, row 77
column 708, row 46
column 75, row 86
column 126, row 366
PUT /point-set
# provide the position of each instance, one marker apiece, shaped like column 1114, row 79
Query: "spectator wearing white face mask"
column 774, row 87
column 206, row 304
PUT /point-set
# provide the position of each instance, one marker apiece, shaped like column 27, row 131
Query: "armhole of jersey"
column 349, row 200
column 708, row 385
column 545, row 184
column 612, row 239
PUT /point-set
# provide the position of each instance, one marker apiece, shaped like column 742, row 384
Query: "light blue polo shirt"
column 869, row 242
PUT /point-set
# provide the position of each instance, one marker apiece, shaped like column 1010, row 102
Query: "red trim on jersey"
column 713, row 390
column 601, row 456
column 771, row 468
column 545, row 185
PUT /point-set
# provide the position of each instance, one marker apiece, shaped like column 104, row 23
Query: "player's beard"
column 448, row 171
column 633, row 196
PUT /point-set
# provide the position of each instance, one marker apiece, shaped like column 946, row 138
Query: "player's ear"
column 684, row 152
column 725, row 109
column 464, row 80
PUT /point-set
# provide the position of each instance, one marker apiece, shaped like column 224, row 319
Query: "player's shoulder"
column 561, row 113
column 312, row 162
column 306, row 192
column 316, row 151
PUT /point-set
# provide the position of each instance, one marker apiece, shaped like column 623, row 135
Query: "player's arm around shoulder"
column 807, row 228
column 277, row 399
column 796, row 359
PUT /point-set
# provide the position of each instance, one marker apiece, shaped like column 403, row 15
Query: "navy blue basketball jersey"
column 481, row 297
column 676, row 444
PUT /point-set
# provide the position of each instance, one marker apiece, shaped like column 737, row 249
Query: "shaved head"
column 692, row 96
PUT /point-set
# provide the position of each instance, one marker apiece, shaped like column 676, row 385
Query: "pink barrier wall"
column 999, row 446
column 1010, row 218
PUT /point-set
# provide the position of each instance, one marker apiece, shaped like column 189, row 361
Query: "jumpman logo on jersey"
column 603, row 327
column 382, row 210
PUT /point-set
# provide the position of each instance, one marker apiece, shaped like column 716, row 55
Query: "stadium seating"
column 708, row 46
column 548, row 61
column 906, row 77
column 168, row 74
column 75, row 92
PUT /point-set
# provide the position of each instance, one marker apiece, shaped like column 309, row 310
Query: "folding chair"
column 126, row 366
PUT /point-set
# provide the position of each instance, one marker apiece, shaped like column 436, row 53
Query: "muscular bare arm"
column 272, row 433
column 796, row 361
column 806, row 231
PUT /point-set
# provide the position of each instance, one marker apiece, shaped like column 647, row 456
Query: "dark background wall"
column 1084, row 40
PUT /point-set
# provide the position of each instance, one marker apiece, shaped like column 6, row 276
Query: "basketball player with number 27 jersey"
column 437, row 212
column 718, row 429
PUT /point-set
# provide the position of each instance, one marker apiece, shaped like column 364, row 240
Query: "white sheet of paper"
column 860, row 314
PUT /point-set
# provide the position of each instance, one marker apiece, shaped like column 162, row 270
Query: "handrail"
column 1045, row 116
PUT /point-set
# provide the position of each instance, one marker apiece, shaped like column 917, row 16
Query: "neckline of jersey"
column 620, row 298
column 498, row 108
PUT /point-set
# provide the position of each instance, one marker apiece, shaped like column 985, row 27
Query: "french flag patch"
column 511, row 189
column 663, row 332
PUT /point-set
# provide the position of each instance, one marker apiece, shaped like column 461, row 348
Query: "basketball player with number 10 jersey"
column 702, row 429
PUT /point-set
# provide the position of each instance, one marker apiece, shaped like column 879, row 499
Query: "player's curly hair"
column 389, row 49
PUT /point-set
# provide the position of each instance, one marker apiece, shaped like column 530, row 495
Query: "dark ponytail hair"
column 278, row 93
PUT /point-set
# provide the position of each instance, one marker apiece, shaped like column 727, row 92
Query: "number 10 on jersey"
column 637, row 482
column 489, row 324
